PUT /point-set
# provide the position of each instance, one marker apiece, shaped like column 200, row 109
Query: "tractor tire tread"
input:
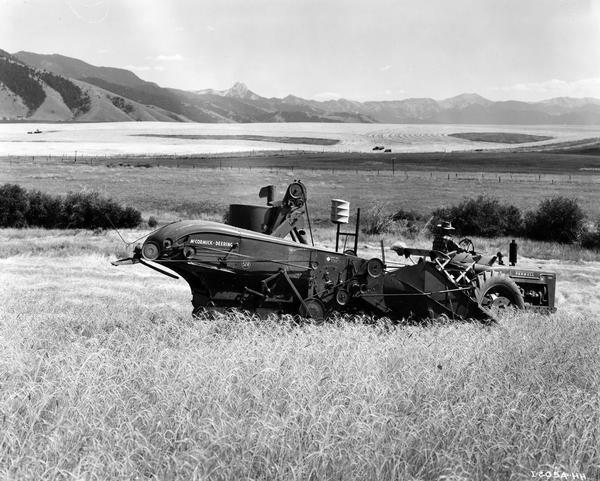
column 487, row 280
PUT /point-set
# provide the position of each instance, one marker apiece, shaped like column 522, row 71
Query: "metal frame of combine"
column 250, row 264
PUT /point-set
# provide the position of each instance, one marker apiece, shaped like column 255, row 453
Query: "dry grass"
column 64, row 243
column 105, row 375
column 167, row 192
column 56, row 242
column 536, row 249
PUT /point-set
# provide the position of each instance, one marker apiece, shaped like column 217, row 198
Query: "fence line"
column 216, row 164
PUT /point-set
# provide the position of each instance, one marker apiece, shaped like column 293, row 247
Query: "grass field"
column 253, row 138
column 501, row 137
column 171, row 192
column 105, row 375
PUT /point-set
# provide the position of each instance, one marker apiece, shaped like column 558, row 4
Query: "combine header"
column 262, row 261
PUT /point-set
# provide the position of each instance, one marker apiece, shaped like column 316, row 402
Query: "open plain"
column 176, row 138
column 104, row 374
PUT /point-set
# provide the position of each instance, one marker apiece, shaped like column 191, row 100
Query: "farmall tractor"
column 262, row 261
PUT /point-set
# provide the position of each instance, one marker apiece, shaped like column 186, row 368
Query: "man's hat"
column 445, row 225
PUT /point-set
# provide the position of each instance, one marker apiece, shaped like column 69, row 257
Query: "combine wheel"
column 497, row 291
column 150, row 251
column 314, row 309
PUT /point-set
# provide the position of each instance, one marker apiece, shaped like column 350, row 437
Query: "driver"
column 442, row 238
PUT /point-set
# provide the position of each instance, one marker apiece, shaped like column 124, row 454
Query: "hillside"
column 56, row 87
column 30, row 93
column 38, row 94
column 75, row 68
column 238, row 104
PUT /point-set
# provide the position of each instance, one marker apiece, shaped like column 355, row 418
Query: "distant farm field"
column 251, row 138
column 164, row 138
column 184, row 169
column 501, row 137
column 422, row 183
column 104, row 374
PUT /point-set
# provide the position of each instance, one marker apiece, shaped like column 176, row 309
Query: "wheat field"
column 104, row 374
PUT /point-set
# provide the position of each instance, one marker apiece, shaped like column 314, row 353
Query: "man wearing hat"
column 442, row 238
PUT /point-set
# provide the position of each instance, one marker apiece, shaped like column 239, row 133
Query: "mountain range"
column 59, row 88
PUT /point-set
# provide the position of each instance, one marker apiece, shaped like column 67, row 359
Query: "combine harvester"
column 250, row 264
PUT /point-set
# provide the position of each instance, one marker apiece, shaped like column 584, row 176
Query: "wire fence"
column 281, row 164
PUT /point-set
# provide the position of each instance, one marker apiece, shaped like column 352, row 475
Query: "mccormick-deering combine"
column 262, row 261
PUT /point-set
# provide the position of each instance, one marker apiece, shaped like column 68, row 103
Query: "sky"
column 320, row 49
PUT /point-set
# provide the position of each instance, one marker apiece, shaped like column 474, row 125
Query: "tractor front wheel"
column 497, row 292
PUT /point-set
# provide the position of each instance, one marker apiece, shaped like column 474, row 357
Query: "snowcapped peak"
column 464, row 100
column 239, row 88
column 241, row 91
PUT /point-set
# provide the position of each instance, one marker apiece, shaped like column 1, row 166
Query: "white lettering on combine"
column 211, row 242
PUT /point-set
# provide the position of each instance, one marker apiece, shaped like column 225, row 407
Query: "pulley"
column 375, row 267
column 342, row 297
column 312, row 309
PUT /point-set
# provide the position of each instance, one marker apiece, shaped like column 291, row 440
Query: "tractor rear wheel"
column 496, row 291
